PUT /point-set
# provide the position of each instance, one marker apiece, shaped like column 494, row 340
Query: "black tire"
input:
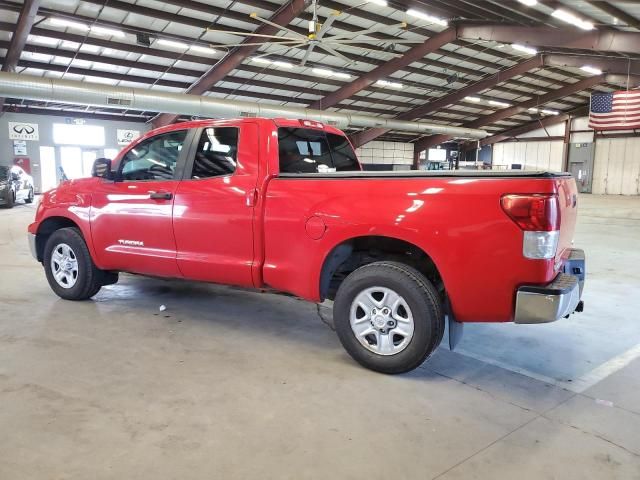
column 88, row 281
column 421, row 297
column 29, row 198
column 10, row 200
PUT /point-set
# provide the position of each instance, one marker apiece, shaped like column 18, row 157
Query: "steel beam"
column 519, row 69
column 595, row 40
column 529, row 127
column 537, row 101
column 284, row 16
column 615, row 12
column 384, row 70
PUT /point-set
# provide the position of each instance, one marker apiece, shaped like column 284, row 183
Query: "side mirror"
column 102, row 169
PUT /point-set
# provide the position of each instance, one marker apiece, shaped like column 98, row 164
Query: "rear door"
column 131, row 218
column 214, row 205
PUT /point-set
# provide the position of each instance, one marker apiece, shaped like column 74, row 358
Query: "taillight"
column 540, row 213
column 539, row 216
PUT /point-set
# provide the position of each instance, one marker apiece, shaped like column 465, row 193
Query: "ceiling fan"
column 317, row 37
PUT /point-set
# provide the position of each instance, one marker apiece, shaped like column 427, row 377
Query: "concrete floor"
column 232, row 384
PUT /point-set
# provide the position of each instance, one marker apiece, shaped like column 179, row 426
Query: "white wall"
column 531, row 155
column 389, row 153
column 616, row 166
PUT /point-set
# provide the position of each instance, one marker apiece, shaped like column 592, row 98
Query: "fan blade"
column 334, row 53
column 307, row 53
column 245, row 34
column 327, row 24
column 338, row 42
column 229, row 45
column 375, row 29
column 279, row 27
column 288, row 47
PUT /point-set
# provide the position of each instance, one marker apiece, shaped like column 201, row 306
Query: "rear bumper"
column 560, row 298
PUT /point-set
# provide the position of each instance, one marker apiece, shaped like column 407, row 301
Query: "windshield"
column 4, row 172
column 304, row 150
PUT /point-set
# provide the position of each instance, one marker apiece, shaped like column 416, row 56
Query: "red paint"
column 256, row 229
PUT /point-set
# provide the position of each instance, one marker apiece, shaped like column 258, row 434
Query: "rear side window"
column 154, row 158
column 304, row 150
column 216, row 153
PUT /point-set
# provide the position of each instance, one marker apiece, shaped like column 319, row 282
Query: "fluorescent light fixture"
column 590, row 69
column 277, row 63
column 61, row 22
column 325, row 72
column 199, row 48
column 382, row 3
column 550, row 112
column 473, row 99
column 524, row 48
column 385, row 83
column 262, row 60
column 572, row 19
column 107, row 31
column 283, row 64
column 171, row 43
column 532, row 110
column 498, row 103
column 427, row 17
column 528, row 3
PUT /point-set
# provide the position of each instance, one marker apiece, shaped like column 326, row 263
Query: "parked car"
column 15, row 185
column 284, row 204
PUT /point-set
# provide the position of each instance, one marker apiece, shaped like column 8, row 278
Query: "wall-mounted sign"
column 127, row 136
column 19, row 147
column 23, row 131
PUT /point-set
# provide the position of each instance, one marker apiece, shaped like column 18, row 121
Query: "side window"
column 344, row 158
column 304, row 150
column 154, row 158
column 217, row 152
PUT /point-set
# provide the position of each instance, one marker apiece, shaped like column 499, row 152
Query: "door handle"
column 252, row 197
column 160, row 195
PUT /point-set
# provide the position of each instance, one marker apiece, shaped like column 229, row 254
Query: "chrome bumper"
column 560, row 298
column 32, row 245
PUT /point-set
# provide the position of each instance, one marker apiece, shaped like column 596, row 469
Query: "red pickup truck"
column 285, row 205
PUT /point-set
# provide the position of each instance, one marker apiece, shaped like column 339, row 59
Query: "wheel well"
column 356, row 252
column 46, row 228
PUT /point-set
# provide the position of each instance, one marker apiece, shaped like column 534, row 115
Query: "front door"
column 131, row 217
column 214, row 206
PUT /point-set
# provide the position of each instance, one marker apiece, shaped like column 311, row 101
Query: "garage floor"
column 232, row 384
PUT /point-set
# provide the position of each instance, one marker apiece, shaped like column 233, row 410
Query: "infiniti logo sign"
column 23, row 131
column 23, row 128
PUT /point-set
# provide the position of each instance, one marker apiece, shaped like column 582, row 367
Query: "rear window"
column 304, row 150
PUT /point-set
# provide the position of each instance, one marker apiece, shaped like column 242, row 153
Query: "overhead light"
column 61, row 22
column 199, row 48
column 283, row 64
column 263, row 60
column 550, row 112
column 325, row 72
column 427, row 17
column 572, row 19
column 590, row 69
column 528, row 3
column 107, row 31
column 385, row 83
column 172, row 43
column 382, row 3
column 532, row 110
column 498, row 103
column 524, row 48
column 473, row 99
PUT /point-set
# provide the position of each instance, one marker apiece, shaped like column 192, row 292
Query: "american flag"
column 615, row 110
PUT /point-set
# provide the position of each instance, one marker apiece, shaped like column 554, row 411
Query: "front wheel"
column 30, row 196
column 388, row 317
column 70, row 271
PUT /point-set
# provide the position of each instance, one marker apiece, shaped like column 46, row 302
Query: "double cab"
column 284, row 205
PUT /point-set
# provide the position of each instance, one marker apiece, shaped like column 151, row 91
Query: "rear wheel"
column 70, row 270
column 388, row 317
column 10, row 199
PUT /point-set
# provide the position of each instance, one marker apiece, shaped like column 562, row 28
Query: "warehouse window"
column 216, row 154
column 81, row 135
column 304, row 150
